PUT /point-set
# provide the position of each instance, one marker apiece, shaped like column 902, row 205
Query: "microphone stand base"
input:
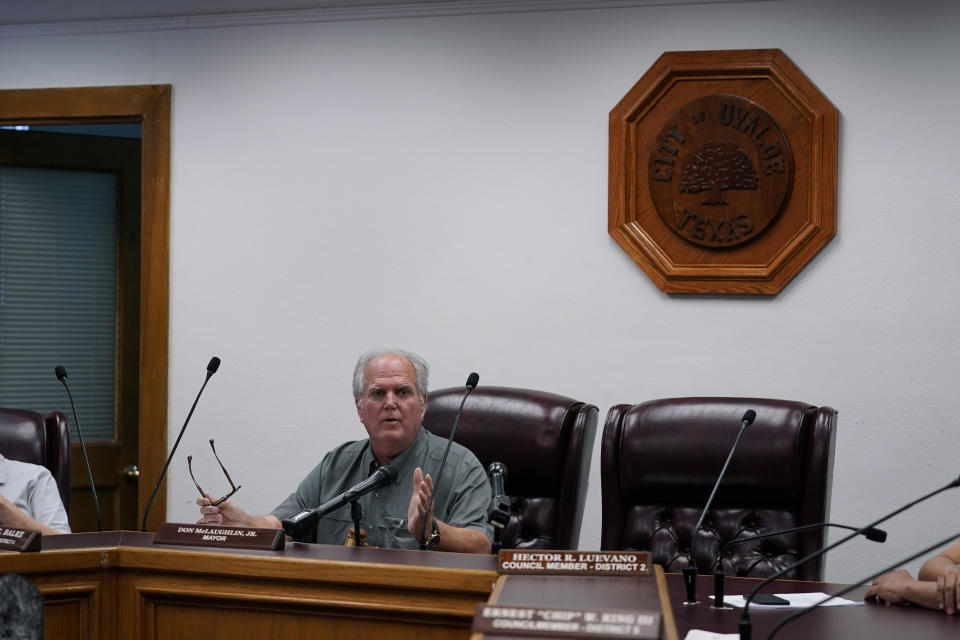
column 356, row 513
column 690, row 584
column 723, row 608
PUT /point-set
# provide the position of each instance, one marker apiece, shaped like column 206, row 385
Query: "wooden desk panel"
column 136, row 589
column 77, row 586
column 120, row 586
column 870, row 621
column 225, row 596
column 72, row 608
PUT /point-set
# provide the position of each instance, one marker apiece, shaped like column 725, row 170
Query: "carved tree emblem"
column 687, row 206
column 715, row 167
column 720, row 172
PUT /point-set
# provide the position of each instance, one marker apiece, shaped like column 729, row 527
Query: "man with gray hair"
column 390, row 393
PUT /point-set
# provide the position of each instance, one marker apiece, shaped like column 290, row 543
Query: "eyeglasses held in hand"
column 233, row 487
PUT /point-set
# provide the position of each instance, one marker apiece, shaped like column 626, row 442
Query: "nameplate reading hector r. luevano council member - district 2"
column 565, row 623
column 576, row 563
column 204, row 535
column 12, row 539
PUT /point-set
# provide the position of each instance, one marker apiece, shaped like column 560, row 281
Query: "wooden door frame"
column 148, row 105
column 120, row 158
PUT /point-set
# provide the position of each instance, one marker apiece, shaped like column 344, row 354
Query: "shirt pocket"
column 395, row 535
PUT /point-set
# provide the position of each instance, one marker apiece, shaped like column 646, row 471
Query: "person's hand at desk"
column 948, row 594
column 899, row 587
column 937, row 586
column 944, row 569
column 231, row 514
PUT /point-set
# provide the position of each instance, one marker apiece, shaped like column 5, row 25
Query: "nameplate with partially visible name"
column 587, row 563
column 569, row 623
column 19, row 539
column 203, row 535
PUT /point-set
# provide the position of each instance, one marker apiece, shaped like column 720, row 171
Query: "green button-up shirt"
column 461, row 501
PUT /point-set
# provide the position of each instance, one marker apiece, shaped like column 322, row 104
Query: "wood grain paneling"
column 752, row 235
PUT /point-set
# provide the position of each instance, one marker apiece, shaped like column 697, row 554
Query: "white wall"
column 440, row 184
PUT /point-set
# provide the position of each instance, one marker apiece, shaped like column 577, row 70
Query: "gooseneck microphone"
column 212, row 367
column 845, row 591
column 498, row 476
column 690, row 571
column 745, row 625
column 302, row 521
column 472, row 380
column 62, row 377
column 499, row 512
column 719, row 576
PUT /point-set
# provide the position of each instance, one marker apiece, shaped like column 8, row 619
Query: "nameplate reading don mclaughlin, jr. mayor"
column 580, row 563
column 572, row 623
column 202, row 535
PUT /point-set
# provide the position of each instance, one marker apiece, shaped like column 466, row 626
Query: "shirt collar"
column 402, row 460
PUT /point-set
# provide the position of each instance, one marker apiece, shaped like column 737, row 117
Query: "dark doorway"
column 143, row 289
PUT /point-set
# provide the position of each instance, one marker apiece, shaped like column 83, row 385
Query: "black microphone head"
column 389, row 473
column 749, row 417
column 61, row 373
column 214, row 365
column 472, row 380
column 877, row 535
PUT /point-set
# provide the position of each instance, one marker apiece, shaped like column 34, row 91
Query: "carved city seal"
column 720, row 171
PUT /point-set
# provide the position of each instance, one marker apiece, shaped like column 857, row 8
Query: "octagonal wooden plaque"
column 723, row 171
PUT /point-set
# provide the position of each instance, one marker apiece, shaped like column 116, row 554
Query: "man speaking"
column 390, row 392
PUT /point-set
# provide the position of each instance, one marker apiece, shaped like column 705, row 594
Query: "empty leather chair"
column 28, row 436
column 660, row 460
column 544, row 439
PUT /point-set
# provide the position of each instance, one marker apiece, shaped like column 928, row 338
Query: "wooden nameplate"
column 12, row 539
column 205, row 535
column 574, row 563
column 578, row 606
column 492, row 619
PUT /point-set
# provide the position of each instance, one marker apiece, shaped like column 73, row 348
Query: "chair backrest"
column 660, row 460
column 545, row 440
column 28, row 436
